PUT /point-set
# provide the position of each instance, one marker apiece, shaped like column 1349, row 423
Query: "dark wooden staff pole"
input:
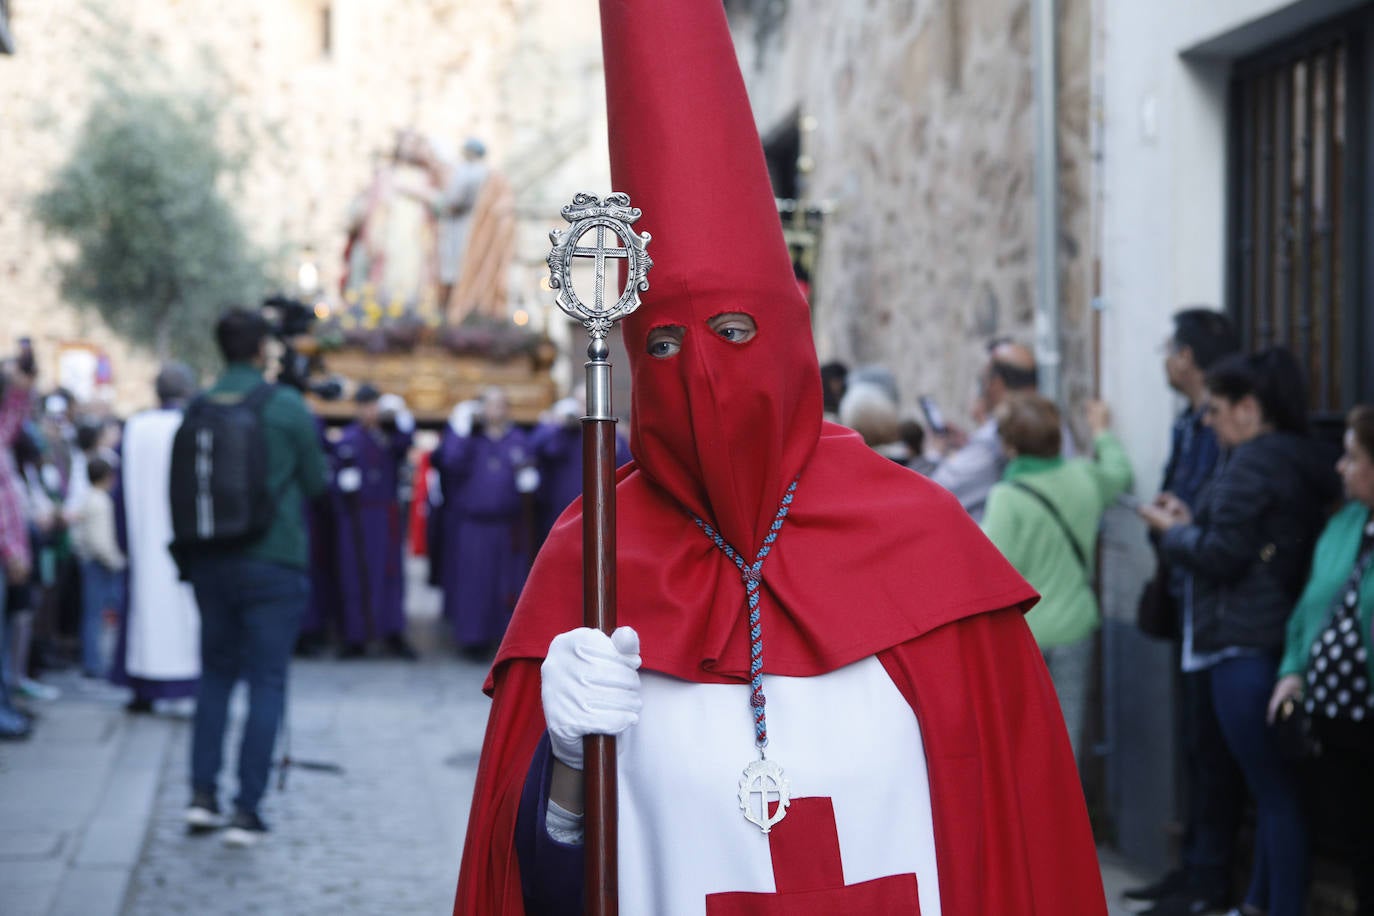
column 592, row 216
column 598, row 610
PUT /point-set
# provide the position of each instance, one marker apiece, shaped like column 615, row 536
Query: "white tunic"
column 164, row 622
column 848, row 735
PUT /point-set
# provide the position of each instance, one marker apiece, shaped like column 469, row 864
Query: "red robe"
column 1011, row 828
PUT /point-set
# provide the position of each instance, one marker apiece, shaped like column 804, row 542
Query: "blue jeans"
column 1215, row 788
column 250, row 611
column 102, row 590
column 1278, row 879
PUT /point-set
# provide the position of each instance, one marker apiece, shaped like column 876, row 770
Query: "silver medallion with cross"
column 609, row 222
column 764, row 782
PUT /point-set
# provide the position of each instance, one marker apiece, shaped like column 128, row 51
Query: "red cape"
column 928, row 595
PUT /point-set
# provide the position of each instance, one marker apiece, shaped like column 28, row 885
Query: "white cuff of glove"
column 563, row 826
column 589, row 684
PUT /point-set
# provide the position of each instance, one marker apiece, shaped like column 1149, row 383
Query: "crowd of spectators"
column 1262, row 584
column 57, row 466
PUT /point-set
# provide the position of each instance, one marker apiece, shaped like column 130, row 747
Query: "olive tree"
column 157, row 247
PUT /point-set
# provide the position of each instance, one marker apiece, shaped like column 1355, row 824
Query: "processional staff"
column 609, row 222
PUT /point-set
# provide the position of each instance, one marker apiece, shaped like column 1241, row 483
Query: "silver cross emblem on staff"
column 589, row 214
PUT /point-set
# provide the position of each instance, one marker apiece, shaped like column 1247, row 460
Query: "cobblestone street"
column 91, row 810
column 381, row 837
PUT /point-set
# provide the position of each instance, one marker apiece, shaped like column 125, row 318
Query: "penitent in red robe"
column 873, row 560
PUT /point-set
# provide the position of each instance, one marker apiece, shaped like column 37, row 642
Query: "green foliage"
column 158, row 249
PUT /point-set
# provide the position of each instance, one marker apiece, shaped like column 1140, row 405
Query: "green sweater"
column 1023, row 529
column 1332, row 564
column 296, row 469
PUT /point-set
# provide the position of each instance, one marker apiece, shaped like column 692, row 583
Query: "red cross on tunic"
column 809, row 876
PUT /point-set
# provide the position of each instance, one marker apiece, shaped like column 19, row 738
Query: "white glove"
column 350, row 480
column 526, row 480
column 461, row 419
column 590, row 686
column 395, row 405
column 567, row 410
column 434, row 487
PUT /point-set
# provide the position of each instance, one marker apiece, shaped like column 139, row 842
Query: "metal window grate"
column 1293, row 210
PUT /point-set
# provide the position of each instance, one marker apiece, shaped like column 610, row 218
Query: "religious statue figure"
column 477, row 236
column 433, row 235
column 391, row 252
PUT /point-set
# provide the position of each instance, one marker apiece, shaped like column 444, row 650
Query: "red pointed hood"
column 723, row 427
column 872, row 554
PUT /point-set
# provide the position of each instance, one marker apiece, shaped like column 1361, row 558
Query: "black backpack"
column 219, row 491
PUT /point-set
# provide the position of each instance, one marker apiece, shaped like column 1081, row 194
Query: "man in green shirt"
column 252, row 597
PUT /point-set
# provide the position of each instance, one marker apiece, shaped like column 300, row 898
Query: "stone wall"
column 924, row 146
column 318, row 87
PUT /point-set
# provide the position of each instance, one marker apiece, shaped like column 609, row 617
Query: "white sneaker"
column 37, row 690
column 203, row 815
column 244, row 830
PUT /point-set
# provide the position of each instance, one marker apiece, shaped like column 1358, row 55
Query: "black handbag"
column 1157, row 613
column 1294, row 731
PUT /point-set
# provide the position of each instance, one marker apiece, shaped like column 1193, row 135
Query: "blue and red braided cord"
column 753, row 575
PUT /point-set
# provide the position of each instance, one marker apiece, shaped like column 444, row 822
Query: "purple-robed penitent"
column 369, row 534
column 322, row 611
column 557, row 449
column 485, row 551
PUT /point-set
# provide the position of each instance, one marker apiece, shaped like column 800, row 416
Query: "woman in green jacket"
column 1044, row 517
column 1328, row 665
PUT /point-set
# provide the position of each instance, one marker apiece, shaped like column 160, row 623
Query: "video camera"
column 288, row 319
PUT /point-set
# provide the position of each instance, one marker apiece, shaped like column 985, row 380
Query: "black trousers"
column 1342, row 799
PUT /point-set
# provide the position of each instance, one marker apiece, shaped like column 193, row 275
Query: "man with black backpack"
column 245, row 458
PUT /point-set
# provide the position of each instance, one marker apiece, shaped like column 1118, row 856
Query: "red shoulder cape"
column 871, row 555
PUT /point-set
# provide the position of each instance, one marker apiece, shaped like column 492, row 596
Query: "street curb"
column 96, row 879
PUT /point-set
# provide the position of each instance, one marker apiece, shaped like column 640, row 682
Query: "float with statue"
column 422, row 307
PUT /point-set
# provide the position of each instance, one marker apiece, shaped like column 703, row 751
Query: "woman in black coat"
column 1246, row 553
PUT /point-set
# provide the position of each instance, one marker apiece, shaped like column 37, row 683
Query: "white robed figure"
column 159, row 652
